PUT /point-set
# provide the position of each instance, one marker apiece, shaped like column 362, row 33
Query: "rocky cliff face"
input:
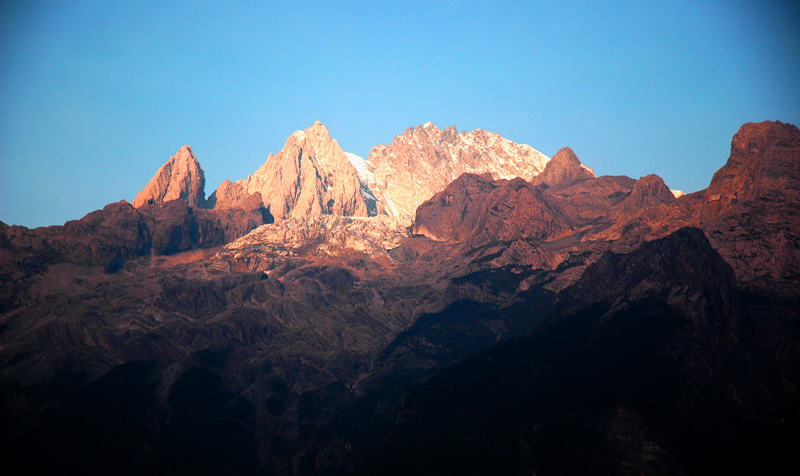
column 118, row 233
column 763, row 163
column 229, row 194
column 424, row 160
column 540, row 223
column 313, row 176
column 180, row 178
column 747, row 211
column 310, row 177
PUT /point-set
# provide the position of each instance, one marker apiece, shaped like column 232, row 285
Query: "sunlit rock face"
column 424, row 160
column 229, row 195
column 563, row 169
column 763, row 163
column 180, row 178
column 310, row 176
column 749, row 210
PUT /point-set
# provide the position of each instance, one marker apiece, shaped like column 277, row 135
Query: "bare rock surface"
column 563, row 169
column 180, row 178
column 424, row 160
column 230, row 195
column 309, row 177
column 748, row 212
column 479, row 210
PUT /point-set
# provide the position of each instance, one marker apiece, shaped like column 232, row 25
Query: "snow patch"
column 391, row 206
column 677, row 193
column 363, row 176
column 359, row 163
column 588, row 170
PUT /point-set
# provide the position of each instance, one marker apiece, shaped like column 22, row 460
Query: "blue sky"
column 95, row 96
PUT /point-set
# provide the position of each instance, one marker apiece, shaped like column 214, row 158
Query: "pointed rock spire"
column 180, row 178
column 311, row 176
column 563, row 169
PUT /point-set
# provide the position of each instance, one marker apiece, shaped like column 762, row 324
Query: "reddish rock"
column 424, row 160
column 310, row 177
column 751, row 210
column 648, row 191
column 587, row 200
column 180, row 178
column 477, row 210
column 229, row 195
column 763, row 164
column 119, row 232
column 563, row 169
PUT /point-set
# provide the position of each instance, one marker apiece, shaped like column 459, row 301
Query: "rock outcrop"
column 764, row 164
column 424, row 160
column 648, row 191
column 309, row 177
column 230, row 195
column 563, row 169
column 750, row 210
column 324, row 236
column 478, row 210
column 180, row 178
column 118, row 233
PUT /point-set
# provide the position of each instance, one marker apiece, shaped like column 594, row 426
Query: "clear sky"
column 96, row 96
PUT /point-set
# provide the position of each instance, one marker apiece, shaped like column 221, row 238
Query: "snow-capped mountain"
column 424, row 160
column 313, row 176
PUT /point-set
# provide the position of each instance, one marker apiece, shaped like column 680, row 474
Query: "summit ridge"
column 424, row 160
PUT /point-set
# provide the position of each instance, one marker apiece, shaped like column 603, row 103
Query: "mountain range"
column 456, row 304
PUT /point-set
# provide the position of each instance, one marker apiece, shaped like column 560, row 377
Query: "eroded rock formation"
column 180, row 178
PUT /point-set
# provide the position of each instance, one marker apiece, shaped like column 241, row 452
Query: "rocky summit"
column 180, row 178
column 423, row 160
column 456, row 304
column 310, row 177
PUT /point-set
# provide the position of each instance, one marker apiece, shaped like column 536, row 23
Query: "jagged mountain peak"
column 394, row 181
column 648, row 191
column 424, row 160
column 180, row 178
column 428, row 132
column 315, row 133
column 310, row 176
